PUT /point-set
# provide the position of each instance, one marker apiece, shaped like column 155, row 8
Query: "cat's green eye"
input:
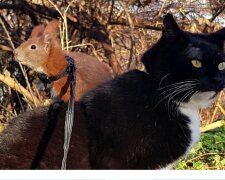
column 196, row 63
column 221, row 66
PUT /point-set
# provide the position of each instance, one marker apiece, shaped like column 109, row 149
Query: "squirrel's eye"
column 33, row 46
column 196, row 63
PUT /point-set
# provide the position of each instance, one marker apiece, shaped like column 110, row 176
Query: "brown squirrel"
column 43, row 53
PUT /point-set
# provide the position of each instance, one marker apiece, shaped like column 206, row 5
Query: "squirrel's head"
column 35, row 52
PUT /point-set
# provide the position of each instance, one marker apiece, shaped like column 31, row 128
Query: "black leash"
column 53, row 112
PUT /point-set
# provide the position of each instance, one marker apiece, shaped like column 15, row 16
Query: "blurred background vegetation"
column 117, row 32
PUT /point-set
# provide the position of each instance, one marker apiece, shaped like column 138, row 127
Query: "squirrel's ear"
column 47, row 42
column 171, row 30
column 53, row 28
column 37, row 31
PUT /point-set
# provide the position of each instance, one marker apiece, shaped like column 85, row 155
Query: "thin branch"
column 215, row 109
column 12, row 114
column 7, row 33
column 217, row 14
column 111, row 11
column 5, row 48
column 213, row 126
column 206, row 154
column 162, row 7
column 221, row 108
column 140, row 25
column 131, row 24
column 16, row 86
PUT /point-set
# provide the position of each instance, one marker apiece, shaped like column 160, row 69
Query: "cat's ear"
column 171, row 30
column 216, row 38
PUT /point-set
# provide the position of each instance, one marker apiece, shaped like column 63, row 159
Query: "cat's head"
column 182, row 57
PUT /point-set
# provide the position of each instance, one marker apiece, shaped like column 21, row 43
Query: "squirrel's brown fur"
column 49, row 58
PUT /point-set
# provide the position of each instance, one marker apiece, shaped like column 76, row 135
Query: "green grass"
column 209, row 153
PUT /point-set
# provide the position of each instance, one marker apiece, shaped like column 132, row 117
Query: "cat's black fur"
column 132, row 124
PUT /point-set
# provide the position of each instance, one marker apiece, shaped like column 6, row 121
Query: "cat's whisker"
column 185, row 96
column 163, row 79
column 174, row 84
column 169, row 104
column 177, row 91
column 184, row 85
column 182, row 82
column 171, row 100
column 177, row 86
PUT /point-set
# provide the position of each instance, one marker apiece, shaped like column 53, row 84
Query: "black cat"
column 149, row 120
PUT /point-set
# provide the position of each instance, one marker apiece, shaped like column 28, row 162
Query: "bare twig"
column 215, row 109
column 12, row 114
column 217, row 13
column 142, row 25
column 65, row 27
column 162, row 7
column 6, row 48
column 111, row 12
column 88, row 44
column 132, row 33
column 221, row 108
column 16, row 86
column 213, row 125
column 206, row 154
column 7, row 33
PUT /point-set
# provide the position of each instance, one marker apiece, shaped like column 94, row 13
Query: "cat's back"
column 130, row 83
column 117, row 116
column 125, row 93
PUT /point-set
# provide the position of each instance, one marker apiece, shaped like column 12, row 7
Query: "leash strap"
column 69, row 114
column 53, row 112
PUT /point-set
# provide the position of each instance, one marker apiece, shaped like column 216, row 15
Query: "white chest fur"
column 191, row 110
column 194, row 124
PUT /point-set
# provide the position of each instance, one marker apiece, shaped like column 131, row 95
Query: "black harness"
column 53, row 111
column 68, row 71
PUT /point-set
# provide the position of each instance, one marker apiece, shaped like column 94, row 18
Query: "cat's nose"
column 216, row 79
column 218, row 83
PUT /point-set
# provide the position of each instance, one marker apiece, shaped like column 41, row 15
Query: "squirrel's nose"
column 15, row 52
